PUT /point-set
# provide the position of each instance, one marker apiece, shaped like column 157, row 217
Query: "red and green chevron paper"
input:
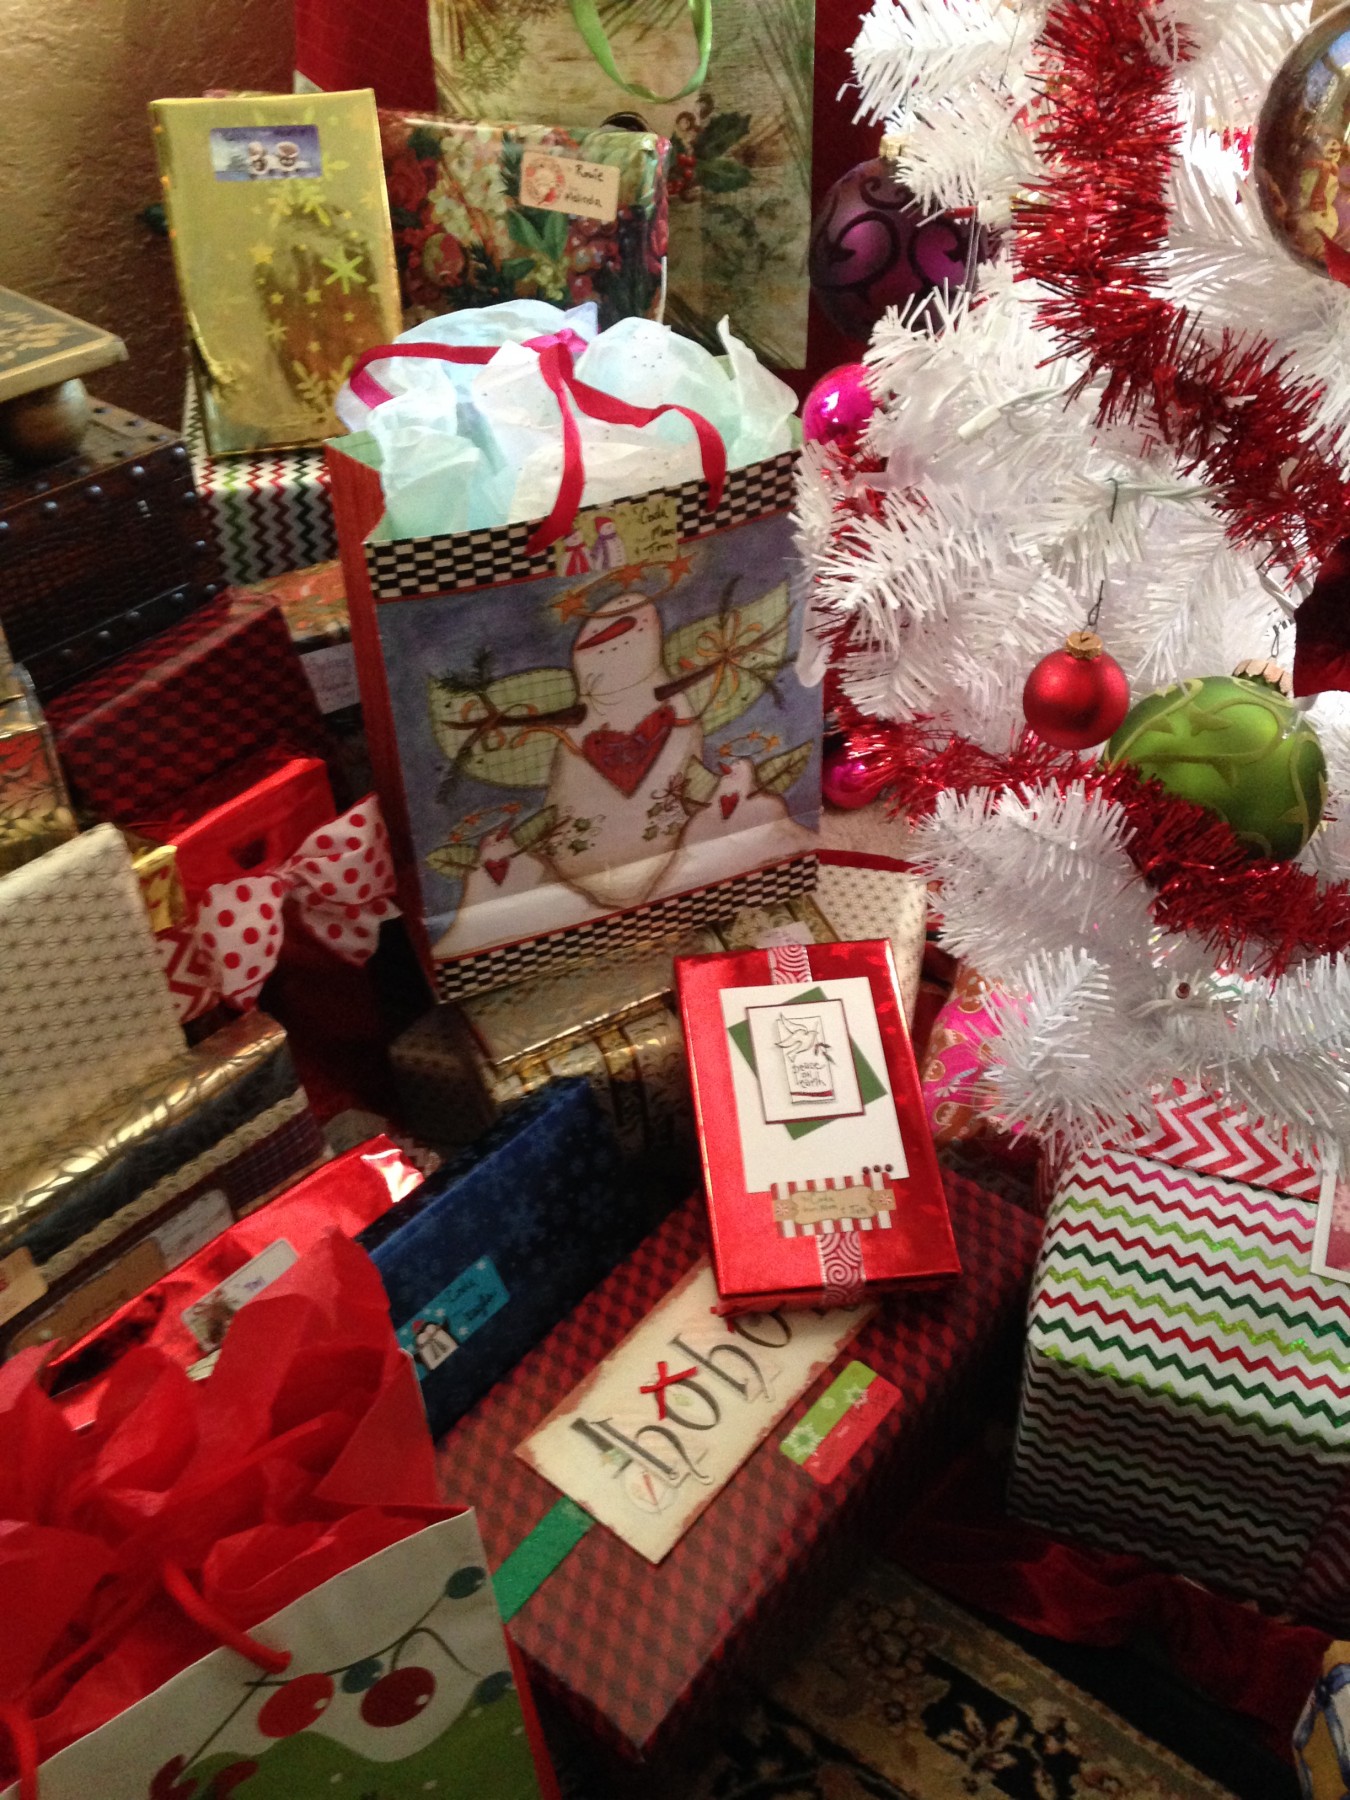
column 1186, row 1393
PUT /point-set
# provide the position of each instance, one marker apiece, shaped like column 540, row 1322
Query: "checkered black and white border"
column 414, row 567
column 660, row 922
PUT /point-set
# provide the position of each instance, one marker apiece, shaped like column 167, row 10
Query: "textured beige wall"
column 76, row 165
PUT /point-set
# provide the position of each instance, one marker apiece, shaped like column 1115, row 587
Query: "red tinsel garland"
column 1093, row 236
column 1203, row 879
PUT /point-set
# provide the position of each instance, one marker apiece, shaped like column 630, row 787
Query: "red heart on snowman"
column 497, row 868
column 729, row 804
column 625, row 758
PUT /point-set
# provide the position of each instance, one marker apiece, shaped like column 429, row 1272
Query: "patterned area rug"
column 903, row 1696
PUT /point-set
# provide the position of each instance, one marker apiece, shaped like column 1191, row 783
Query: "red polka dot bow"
column 339, row 881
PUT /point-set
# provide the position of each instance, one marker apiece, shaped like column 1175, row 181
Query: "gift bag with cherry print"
column 251, row 1584
column 397, row 1681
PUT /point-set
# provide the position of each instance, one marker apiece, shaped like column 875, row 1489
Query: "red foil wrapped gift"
column 344, row 1195
column 211, row 691
column 821, row 1178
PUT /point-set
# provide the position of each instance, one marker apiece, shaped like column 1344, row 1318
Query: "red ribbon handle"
column 556, row 366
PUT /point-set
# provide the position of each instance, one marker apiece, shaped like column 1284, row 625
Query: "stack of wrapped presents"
column 504, row 1188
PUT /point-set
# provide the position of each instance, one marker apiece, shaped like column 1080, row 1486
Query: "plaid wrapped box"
column 641, row 1654
column 501, row 1242
column 1185, row 1387
column 268, row 511
column 184, row 707
column 102, row 1206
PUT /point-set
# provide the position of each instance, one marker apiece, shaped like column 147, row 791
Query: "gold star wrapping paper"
column 284, row 255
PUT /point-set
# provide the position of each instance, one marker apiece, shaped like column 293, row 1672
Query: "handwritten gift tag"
column 650, row 1439
column 565, row 184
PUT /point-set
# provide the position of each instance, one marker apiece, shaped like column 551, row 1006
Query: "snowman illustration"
column 616, row 742
column 608, row 551
column 578, row 557
column 433, row 1342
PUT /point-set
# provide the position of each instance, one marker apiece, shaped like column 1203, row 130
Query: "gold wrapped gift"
column 108, row 1206
column 35, row 811
column 156, row 867
column 284, row 254
column 616, row 1023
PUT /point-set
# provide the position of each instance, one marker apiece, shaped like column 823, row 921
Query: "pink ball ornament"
column 839, row 407
column 850, row 778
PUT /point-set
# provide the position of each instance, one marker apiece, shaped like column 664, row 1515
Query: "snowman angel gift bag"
column 587, row 722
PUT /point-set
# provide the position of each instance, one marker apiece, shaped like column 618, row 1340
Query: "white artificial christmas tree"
column 1006, row 494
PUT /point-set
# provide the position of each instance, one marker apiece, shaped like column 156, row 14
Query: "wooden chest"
column 102, row 550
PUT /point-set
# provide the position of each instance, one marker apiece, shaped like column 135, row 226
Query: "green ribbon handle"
column 587, row 15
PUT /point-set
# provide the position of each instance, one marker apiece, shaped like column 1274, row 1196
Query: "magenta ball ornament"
column 1078, row 696
column 851, row 779
column 874, row 246
column 839, row 407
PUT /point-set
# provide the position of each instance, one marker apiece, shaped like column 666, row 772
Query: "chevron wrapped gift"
column 269, row 510
column 1186, row 1390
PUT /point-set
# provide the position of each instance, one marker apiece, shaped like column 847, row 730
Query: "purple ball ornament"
column 839, row 407
column 872, row 246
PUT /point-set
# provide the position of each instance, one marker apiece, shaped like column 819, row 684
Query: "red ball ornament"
column 296, row 1706
column 839, row 407
column 398, row 1696
column 873, row 245
column 1076, row 697
column 851, row 777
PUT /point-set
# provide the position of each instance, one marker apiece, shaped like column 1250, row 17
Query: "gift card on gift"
column 209, row 1318
column 808, row 1082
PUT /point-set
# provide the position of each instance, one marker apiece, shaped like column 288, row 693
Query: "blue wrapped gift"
column 497, row 1246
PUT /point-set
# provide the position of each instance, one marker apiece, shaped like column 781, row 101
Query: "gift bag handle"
column 16, row 1723
column 555, row 365
column 589, row 24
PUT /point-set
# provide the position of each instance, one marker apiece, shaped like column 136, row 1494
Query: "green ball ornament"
column 1238, row 745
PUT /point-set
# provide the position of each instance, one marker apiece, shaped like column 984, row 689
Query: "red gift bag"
column 287, row 1509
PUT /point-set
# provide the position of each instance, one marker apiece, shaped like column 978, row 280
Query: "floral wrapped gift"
column 483, row 213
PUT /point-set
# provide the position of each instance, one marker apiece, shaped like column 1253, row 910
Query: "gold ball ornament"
column 1301, row 157
column 46, row 424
